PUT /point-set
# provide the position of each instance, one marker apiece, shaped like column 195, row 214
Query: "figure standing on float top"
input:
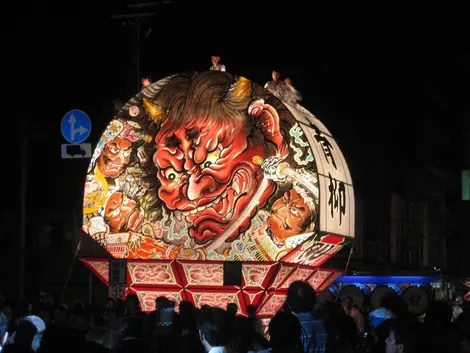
column 146, row 81
column 290, row 95
column 276, row 86
column 216, row 65
column 283, row 89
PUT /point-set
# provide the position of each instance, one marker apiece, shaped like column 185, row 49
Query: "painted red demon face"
column 207, row 172
column 114, row 158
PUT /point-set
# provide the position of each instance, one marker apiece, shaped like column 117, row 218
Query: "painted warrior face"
column 290, row 216
column 122, row 214
column 115, row 157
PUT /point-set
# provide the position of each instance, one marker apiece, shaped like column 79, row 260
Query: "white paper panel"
column 336, row 187
column 336, row 207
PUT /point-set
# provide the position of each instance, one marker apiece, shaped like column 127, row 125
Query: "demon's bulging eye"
column 211, row 158
column 172, row 174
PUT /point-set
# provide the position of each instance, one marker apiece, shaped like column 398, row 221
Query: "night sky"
column 380, row 94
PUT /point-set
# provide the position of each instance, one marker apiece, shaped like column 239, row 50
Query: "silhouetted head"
column 285, row 332
column 251, row 310
column 401, row 339
column 232, row 309
column 301, row 297
column 213, row 330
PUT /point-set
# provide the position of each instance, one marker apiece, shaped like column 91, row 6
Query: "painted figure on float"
column 210, row 166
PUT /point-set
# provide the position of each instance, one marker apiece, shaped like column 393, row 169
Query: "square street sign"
column 117, row 278
column 466, row 185
column 117, row 271
column 70, row 151
column 116, row 291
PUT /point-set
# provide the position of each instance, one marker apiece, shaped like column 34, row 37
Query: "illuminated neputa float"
column 202, row 169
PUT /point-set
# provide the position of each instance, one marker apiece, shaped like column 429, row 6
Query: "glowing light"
column 363, row 287
column 389, row 279
column 396, row 288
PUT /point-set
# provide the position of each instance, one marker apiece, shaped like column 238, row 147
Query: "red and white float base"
column 264, row 284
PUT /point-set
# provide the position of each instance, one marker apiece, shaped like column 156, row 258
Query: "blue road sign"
column 75, row 126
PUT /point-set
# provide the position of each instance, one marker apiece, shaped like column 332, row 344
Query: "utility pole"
column 135, row 20
column 22, row 240
column 29, row 131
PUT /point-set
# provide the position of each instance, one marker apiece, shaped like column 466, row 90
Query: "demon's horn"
column 154, row 112
column 239, row 91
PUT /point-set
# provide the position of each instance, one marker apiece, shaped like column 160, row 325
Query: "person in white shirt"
column 216, row 65
column 276, row 86
column 291, row 95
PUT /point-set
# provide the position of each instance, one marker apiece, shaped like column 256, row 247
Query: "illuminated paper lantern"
column 202, row 168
